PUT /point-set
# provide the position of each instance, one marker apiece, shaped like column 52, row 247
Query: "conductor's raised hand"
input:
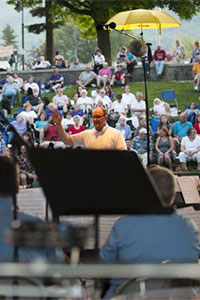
column 57, row 118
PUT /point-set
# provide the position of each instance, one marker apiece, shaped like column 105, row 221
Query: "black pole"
column 23, row 38
column 147, row 110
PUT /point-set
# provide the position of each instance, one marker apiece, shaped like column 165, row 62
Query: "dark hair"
column 190, row 130
column 160, row 124
column 8, row 176
column 165, row 130
column 28, row 134
column 57, row 52
column 119, row 96
column 109, row 91
column 163, row 180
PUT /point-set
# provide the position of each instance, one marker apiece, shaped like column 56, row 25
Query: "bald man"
column 102, row 137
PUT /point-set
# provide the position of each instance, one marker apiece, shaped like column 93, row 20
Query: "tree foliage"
column 8, row 36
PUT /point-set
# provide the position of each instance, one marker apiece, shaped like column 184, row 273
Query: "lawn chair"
column 169, row 96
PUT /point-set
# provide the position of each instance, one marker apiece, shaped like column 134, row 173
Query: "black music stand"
column 91, row 182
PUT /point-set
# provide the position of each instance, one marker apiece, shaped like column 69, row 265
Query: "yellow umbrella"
column 143, row 19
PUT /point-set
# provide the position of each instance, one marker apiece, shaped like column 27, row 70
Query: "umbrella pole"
column 147, row 109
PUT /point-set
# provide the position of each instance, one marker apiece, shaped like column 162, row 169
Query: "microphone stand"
column 145, row 91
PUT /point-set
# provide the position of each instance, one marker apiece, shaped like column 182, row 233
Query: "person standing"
column 101, row 137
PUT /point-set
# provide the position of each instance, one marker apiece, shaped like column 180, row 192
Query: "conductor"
column 101, row 137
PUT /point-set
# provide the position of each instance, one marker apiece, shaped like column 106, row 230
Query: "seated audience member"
column 75, row 64
column 79, row 90
column 84, row 102
column 195, row 51
column 119, row 105
column 28, row 114
column 59, row 61
column 49, row 110
column 105, row 99
column 74, row 100
column 6, row 152
column 131, row 62
column 55, row 81
column 94, row 94
column 197, row 123
column 67, row 121
column 104, row 75
column 121, row 57
column 118, row 78
column 41, row 64
column 51, row 135
column 109, row 92
column 129, row 146
column 139, row 143
column 10, row 89
column 196, row 74
column 128, row 97
column 87, row 78
column 8, row 188
column 30, row 85
column 26, row 172
column 98, row 60
column 60, row 100
column 164, row 147
column 160, row 108
column 39, row 125
column 191, row 112
column 178, row 52
column 19, row 80
column 77, row 111
column 123, row 127
column 138, row 107
column 164, row 123
column 181, row 127
column 19, row 125
column 190, row 149
column 28, row 138
column 76, row 127
column 159, row 58
column 2, row 143
column 179, row 244
column 36, row 102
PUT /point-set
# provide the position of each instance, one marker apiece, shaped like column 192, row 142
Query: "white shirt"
column 139, row 105
column 107, row 138
column 33, row 86
column 119, row 107
column 42, row 65
column 28, row 115
column 60, row 100
column 66, row 122
column 85, row 103
column 106, row 101
column 160, row 109
column 190, row 145
column 99, row 59
column 128, row 98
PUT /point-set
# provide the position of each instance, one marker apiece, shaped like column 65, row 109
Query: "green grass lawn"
column 184, row 92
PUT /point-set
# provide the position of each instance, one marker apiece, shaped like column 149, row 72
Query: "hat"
column 143, row 130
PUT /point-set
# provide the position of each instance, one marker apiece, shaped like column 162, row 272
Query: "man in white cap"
column 139, row 143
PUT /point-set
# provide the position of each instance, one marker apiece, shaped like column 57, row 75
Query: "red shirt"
column 196, row 126
column 73, row 130
column 159, row 55
column 118, row 75
column 52, row 134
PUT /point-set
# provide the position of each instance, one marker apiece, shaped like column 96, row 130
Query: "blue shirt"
column 6, row 250
column 56, row 77
column 127, row 130
column 181, row 129
column 41, row 125
column 150, row 239
column 140, row 145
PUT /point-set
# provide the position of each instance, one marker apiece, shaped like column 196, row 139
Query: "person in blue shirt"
column 181, row 127
column 124, row 128
column 9, row 187
column 152, row 238
column 131, row 62
column 56, row 80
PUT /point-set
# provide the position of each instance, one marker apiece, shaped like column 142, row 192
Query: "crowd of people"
column 169, row 140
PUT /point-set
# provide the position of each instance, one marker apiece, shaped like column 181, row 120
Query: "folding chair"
column 169, row 96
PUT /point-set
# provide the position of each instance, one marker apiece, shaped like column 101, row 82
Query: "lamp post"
column 19, row 7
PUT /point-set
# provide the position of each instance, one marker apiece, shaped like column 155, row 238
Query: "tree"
column 9, row 36
column 100, row 12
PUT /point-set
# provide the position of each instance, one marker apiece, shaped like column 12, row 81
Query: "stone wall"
column 179, row 72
